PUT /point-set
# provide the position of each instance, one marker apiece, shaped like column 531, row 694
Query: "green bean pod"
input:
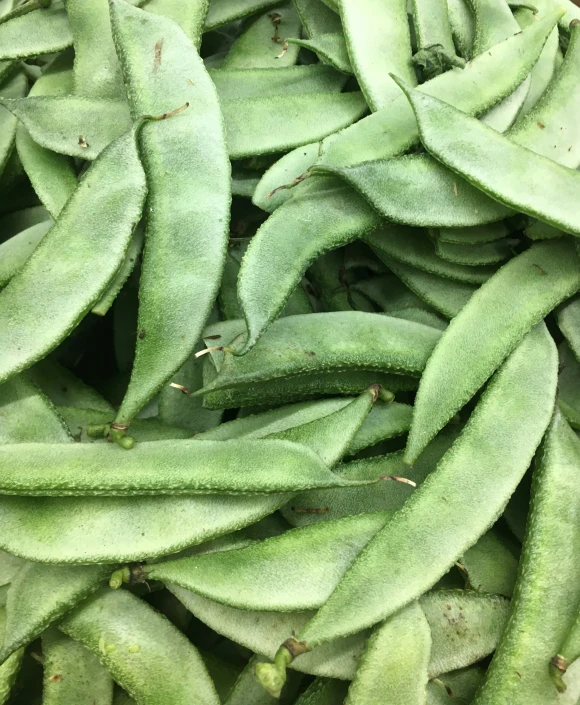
column 141, row 649
column 41, row 594
column 43, row 31
column 536, row 628
column 569, row 386
column 568, row 316
column 364, row 595
column 222, row 12
column 14, row 89
column 331, row 48
column 394, row 665
column 378, row 43
column 15, row 252
column 190, row 16
column 542, row 276
column 490, row 566
column 186, row 239
column 72, row 674
column 317, row 18
column 107, row 203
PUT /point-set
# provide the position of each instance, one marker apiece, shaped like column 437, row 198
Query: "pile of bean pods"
column 289, row 352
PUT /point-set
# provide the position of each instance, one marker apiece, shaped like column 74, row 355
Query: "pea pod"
column 109, row 211
column 97, row 73
column 519, row 670
column 190, row 239
column 331, row 48
column 393, row 666
column 543, row 276
column 317, row 18
column 190, row 16
column 261, row 44
column 343, row 215
column 162, row 467
column 568, row 316
column 15, row 252
column 12, row 90
column 222, row 12
column 51, row 174
column 328, row 341
column 247, row 690
column 483, row 620
column 9, row 669
column 72, row 674
column 312, row 559
column 134, row 642
column 43, row 31
column 474, row 255
column 434, row 39
column 462, row 26
column 473, row 236
column 234, row 84
column 41, row 594
column 439, row 123
column 568, row 386
column 490, row 566
column 378, row 42
column 445, row 295
column 364, row 596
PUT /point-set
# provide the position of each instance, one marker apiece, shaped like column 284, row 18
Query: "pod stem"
column 558, row 666
column 272, row 676
column 118, row 434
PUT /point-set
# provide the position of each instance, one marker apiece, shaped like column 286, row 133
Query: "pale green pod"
column 244, row 182
column 65, row 389
column 317, row 18
column 464, row 682
column 72, row 674
column 9, row 669
column 52, row 175
column 483, row 618
column 474, row 255
column 189, row 15
column 97, row 73
column 222, row 12
column 253, row 123
column 327, row 278
column 445, row 295
column 322, row 691
column 322, row 505
column 123, row 273
column 385, row 420
column 142, row 650
column 331, row 49
column 543, row 71
column 261, row 44
column 14, row 89
column 389, row 294
column 474, row 236
column 439, row 123
column 233, row 84
column 43, row 31
column 295, row 571
column 9, row 567
column 393, row 668
column 568, row 316
column 432, row 26
column 379, row 43
column 490, row 566
column 391, row 187
column 109, row 212
column 40, row 594
column 569, row 385
column 462, row 26
column 364, row 595
column 14, row 222
column 329, row 341
column 120, row 697
column 190, row 239
column 537, row 627
column 164, row 467
column 494, row 22
column 490, row 326
column 330, row 209
column 413, row 247
column 15, row 252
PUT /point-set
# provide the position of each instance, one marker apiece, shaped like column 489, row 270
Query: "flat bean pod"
column 317, row 18
column 439, row 124
column 490, row 566
column 186, row 239
column 261, row 44
column 190, row 16
column 393, row 666
column 542, row 276
column 65, row 389
column 109, row 211
column 162, row 467
column 9, row 669
column 222, row 12
column 362, row 597
column 569, row 385
column 445, row 295
column 14, row 89
column 72, row 674
column 322, row 691
column 135, row 642
column 331, row 48
column 327, row 341
column 43, row 31
column 15, row 252
column 379, row 43
column 474, row 255
column 41, row 594
column 568, row 316
column 536, row 628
